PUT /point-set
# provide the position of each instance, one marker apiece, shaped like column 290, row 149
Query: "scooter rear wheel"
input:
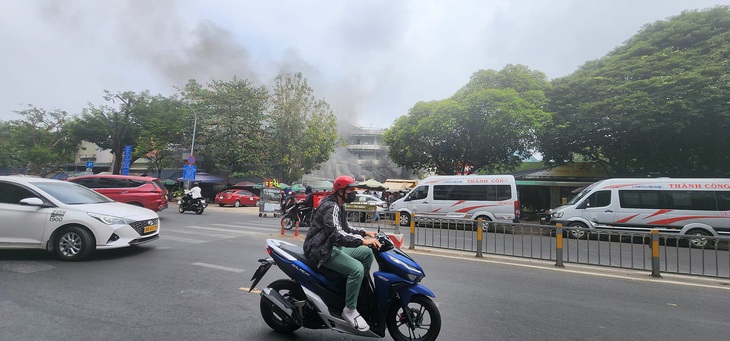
column 292, row 292
column 424, row 314
column 288, row 222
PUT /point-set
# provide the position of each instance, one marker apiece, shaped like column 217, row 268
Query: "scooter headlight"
column 414, row 274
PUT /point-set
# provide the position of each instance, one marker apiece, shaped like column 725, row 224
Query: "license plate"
column 150, row 228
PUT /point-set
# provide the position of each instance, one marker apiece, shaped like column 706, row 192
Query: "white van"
column 699, row 207
column 492, row 197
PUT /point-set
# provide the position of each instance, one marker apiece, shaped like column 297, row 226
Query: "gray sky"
column 371, row 60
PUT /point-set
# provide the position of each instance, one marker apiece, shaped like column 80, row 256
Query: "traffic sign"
column 89, row 164
column 189, row 172
column 191, row 160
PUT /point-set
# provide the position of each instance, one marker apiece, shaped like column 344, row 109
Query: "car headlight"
column 110, row 220
column 557, row 214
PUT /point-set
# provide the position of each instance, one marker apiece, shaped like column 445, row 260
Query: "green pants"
column 352, row 262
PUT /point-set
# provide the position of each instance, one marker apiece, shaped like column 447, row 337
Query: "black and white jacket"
column 330, row 228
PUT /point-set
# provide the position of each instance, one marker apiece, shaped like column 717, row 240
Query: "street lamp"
column 192, row 144
column 195, row 124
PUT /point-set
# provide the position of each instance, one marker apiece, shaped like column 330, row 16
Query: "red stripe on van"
column 467, row 209
column 627, row 218
column 674, row 220
column 624, row 185
column 658, row 213
column 458, row 203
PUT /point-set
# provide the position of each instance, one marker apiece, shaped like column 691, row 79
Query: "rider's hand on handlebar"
column 371, row 242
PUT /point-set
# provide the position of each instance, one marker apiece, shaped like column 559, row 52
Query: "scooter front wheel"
column 180, row 209
column 290, row 291
column 420, row 321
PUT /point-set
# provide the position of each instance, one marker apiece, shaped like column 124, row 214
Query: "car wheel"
column 578, row 234
column 699, row 239
column 73, row 243
column 221, row 205
column 237, row 203
column 405, row 219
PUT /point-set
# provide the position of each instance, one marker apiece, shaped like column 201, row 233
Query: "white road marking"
column 184, row 240
column 212, row 235
column 246, row 227
column 227, row 230
column 219, row 267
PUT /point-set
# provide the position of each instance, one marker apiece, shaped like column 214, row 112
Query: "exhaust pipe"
column 280, row 305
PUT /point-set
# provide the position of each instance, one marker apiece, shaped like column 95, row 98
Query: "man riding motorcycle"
column 334, row 244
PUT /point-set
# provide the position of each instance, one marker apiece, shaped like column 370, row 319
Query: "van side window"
column 419, row 193
column 599, row 199
column 472, row 192
column 691, row 200
column 641, row 199
column 723, row 200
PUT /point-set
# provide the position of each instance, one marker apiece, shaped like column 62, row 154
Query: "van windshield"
column 580, row 196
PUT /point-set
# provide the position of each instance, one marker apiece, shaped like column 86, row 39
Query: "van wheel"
column 487, row 224
column 699, row 239
column 405, row 219
column 73, row 243
column 577, row 234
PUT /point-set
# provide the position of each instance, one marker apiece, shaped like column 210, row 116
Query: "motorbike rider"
column 307, row 206
column 334, row 244
column 195, row 192
column 291, row 203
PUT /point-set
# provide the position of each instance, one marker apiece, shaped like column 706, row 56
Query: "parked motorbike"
column 297, row 213
column 314, row 297
column 187, row 203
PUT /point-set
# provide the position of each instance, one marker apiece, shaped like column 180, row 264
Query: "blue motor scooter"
column 314, row 297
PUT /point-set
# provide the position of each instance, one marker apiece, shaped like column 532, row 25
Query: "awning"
column 373, row 184
column 206, row 178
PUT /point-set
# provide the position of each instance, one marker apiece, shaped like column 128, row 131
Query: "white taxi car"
column 69, row 219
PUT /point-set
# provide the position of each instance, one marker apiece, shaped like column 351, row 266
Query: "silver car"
column 69, row 219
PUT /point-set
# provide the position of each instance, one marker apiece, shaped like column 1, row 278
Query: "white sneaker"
column 355, row 320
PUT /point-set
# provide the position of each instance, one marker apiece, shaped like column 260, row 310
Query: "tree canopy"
column 657, row 105
column 303, row 129
column 490, row 124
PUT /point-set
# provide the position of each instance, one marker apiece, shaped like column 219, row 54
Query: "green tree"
column 230, row 123
column 164, row 124
column 39, row 140
column 656, row 105
column 302, row 129
column 489, row 125
column 112, row 128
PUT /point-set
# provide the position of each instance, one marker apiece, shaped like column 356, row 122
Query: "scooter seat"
column 298, row 253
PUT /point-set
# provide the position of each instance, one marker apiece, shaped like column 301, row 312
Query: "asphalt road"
column 192, row 283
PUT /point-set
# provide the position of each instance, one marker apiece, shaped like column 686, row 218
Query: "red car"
column 237, row 198
column 143, row 191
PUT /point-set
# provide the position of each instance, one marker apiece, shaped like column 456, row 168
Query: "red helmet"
column 344, row 181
